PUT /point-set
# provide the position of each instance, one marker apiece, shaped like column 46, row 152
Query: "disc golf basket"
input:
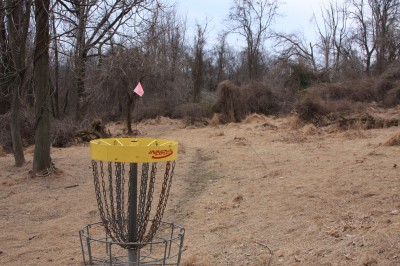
column 131, row 231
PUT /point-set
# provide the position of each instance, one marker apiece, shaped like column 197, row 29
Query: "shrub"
column 192, row 110
column 392, row 98
column 63, row 132
column 382, row 88
column 259, row 99
column 230, row 103
column 311, row 109
column 337, row 92
column 301, row 77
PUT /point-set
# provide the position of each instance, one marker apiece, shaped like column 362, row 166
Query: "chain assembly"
column 112, row 202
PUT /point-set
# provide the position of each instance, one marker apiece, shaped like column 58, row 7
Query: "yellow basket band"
column 133, row 150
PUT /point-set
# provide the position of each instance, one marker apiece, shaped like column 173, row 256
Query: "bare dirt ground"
column 255, row 193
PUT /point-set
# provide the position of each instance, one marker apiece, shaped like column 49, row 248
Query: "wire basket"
column 99, row 249
column 125, row 180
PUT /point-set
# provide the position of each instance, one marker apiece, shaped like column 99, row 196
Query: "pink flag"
column 139, row 90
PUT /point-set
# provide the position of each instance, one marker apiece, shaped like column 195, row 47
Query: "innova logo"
column 160, row 154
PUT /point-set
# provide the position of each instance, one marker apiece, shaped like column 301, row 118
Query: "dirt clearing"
column 252, row 193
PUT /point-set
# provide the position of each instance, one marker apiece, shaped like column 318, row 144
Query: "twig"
column 259, row 157
column 270, row 251
column 76, row 185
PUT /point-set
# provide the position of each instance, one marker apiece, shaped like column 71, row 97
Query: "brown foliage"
column 63, row 132
column 259, row 99
column 388, row 86
column 391, row 98
column 229, row 103
column 192, row 110
column 194, row 114
column 328, row 103
column 311, row 109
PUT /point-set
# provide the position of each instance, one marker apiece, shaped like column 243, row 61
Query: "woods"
column 70, row 62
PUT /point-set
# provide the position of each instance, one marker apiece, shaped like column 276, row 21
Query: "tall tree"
column 94, row 24
column 55, row 98
column 198, row 66
column 14, row 56
column 332, row 34
column 5, row 62
column 364, row 34
column 41, row 158
column 252, row 20
column 221, row 57
column 386, row 16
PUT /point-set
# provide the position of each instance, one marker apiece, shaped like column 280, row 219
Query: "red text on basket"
column 160, row 154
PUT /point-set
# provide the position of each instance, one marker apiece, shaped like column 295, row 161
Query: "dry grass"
column 393, row 141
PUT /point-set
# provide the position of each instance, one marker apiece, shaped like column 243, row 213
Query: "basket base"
column 165, row 248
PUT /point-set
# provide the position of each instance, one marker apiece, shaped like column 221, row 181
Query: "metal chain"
column 99, row 192
column 114, row 217
column 123, row 201
column 166, row 186
column 118, row 223
column 131, row 168
column 149, row 201
column 142, row 196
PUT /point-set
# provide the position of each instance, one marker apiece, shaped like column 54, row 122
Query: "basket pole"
column 133, row 252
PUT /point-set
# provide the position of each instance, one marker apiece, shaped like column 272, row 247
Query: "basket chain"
column 112, row 207
column 144, row 216
column 166, row 186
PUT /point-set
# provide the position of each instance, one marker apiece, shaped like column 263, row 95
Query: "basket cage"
column 164, row 249
column 131, row 200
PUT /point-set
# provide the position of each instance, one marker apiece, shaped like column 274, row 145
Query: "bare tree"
column 293, row 46
column 56, row 66
column 14, row 56
column 221, row 57
column 252, row 19
column 386, row 14
column 5, row 63
column 364, row 34
column 198, row 66
column 333, row 34
column 93, row 25
column 41, row 158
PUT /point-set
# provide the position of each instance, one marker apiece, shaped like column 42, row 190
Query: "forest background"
column 68, row 67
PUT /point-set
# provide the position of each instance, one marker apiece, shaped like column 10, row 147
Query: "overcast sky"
column 295, row 15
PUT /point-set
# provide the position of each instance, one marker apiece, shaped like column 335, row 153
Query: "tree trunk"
column 80, row 72
column 80, row 60
column 56, row 108
column 5, row 67
column 16, row 128
column 18, row 25
column 129, row 104
column 41, row 158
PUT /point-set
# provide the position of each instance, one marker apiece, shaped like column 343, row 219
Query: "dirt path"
column 242, row 191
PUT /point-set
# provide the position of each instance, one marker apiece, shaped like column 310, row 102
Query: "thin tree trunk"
column 129, row 104
column 18, row 25
column 16, row 128
column 57, row 72
column 80, row 72
column 41, row 158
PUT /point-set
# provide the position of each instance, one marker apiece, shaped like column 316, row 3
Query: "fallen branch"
column 76, row 185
